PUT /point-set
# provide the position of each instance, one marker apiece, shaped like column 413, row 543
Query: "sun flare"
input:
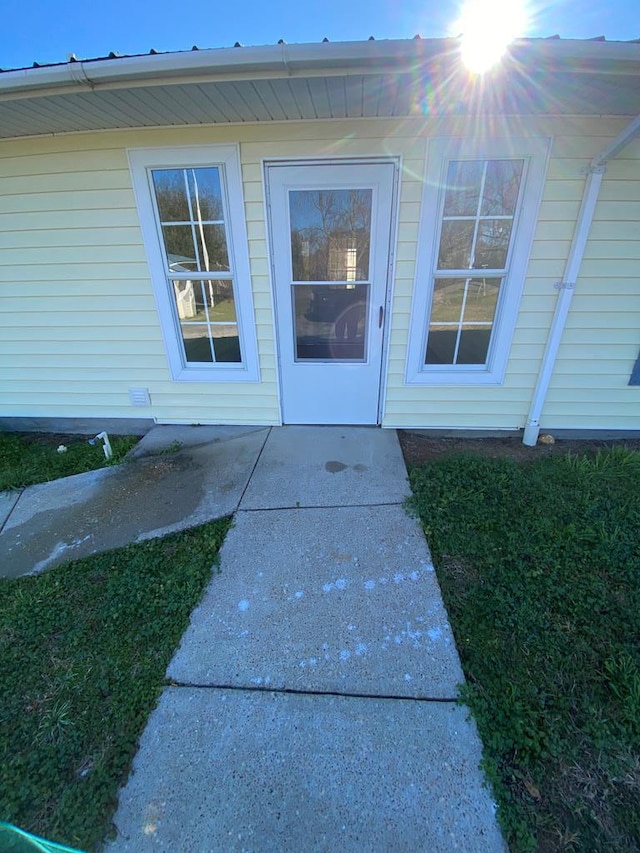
column 487, row 28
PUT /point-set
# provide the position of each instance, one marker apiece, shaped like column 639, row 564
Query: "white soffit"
column 343, row 80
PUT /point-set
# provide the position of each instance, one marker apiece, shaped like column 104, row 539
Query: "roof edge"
column 285, row 59
column 280, row 58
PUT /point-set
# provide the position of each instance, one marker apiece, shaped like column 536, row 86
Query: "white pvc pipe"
column 566, row 286
column 572, row 268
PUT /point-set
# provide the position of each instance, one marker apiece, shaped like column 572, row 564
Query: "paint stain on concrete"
column 341, row 583
column 333, row 466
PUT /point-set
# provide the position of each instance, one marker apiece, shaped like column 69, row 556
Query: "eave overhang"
column 394, row 78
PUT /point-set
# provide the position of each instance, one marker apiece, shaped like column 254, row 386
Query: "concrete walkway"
column 176, row 477
column 311, row 700
column 311, row 704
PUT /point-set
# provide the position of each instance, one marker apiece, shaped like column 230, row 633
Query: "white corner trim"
column 141, row 160
column 535, row 152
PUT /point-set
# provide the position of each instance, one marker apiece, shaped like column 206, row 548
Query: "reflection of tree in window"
column 330, row 234
column 191, row 213
column 192, row 219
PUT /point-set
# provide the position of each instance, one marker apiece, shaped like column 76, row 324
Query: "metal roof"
column 395, row 78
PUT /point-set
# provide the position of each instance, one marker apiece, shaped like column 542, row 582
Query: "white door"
column 330, row 237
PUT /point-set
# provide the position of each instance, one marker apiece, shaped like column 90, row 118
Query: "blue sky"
column 49, row 30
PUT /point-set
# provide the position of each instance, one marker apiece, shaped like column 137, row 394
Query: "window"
column 479, row 210
column 191, row 213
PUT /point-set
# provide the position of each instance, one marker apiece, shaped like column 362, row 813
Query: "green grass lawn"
column 539, row 564
column 25, row 460
column 83, row 651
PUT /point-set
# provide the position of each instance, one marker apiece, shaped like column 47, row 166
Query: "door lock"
column 380, row 316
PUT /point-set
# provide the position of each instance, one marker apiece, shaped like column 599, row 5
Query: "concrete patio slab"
column 140, row 499
column 339, row 599
column 328, row 466
column 7, row 502
column 245, row 771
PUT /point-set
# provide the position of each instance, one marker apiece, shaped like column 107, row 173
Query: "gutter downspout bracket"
column 564, row 285
column 594, row 169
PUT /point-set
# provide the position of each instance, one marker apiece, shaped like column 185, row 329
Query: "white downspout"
column 566, row 287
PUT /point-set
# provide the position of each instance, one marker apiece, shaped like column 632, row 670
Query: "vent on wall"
column 139, row 397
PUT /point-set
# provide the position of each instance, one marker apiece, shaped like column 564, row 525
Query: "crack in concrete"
column 319, row 506
column 298, row 692
column 12, row 510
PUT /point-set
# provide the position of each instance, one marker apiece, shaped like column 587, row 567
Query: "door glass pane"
column 330, row 234
column 330, row 322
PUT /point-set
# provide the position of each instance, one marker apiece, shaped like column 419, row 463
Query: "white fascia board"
column 282, row 59
column 286, row 59
column 559, row 50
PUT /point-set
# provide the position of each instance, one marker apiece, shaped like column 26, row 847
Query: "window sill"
column 454, row 377
column 239, row 373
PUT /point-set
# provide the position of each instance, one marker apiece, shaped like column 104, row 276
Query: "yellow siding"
column 78, row 323
column 604, row 323
column 77, row 310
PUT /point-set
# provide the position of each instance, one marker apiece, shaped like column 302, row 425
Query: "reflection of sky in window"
column 205, row 194
column 316, row 209
column 207, row 182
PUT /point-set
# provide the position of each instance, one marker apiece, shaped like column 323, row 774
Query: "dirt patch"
column 54, row 439
column 418, row 447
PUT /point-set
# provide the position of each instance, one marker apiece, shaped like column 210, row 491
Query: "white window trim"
column 141, row 161
column 535, row 152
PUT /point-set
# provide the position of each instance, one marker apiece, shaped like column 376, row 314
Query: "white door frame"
column 392, row 160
